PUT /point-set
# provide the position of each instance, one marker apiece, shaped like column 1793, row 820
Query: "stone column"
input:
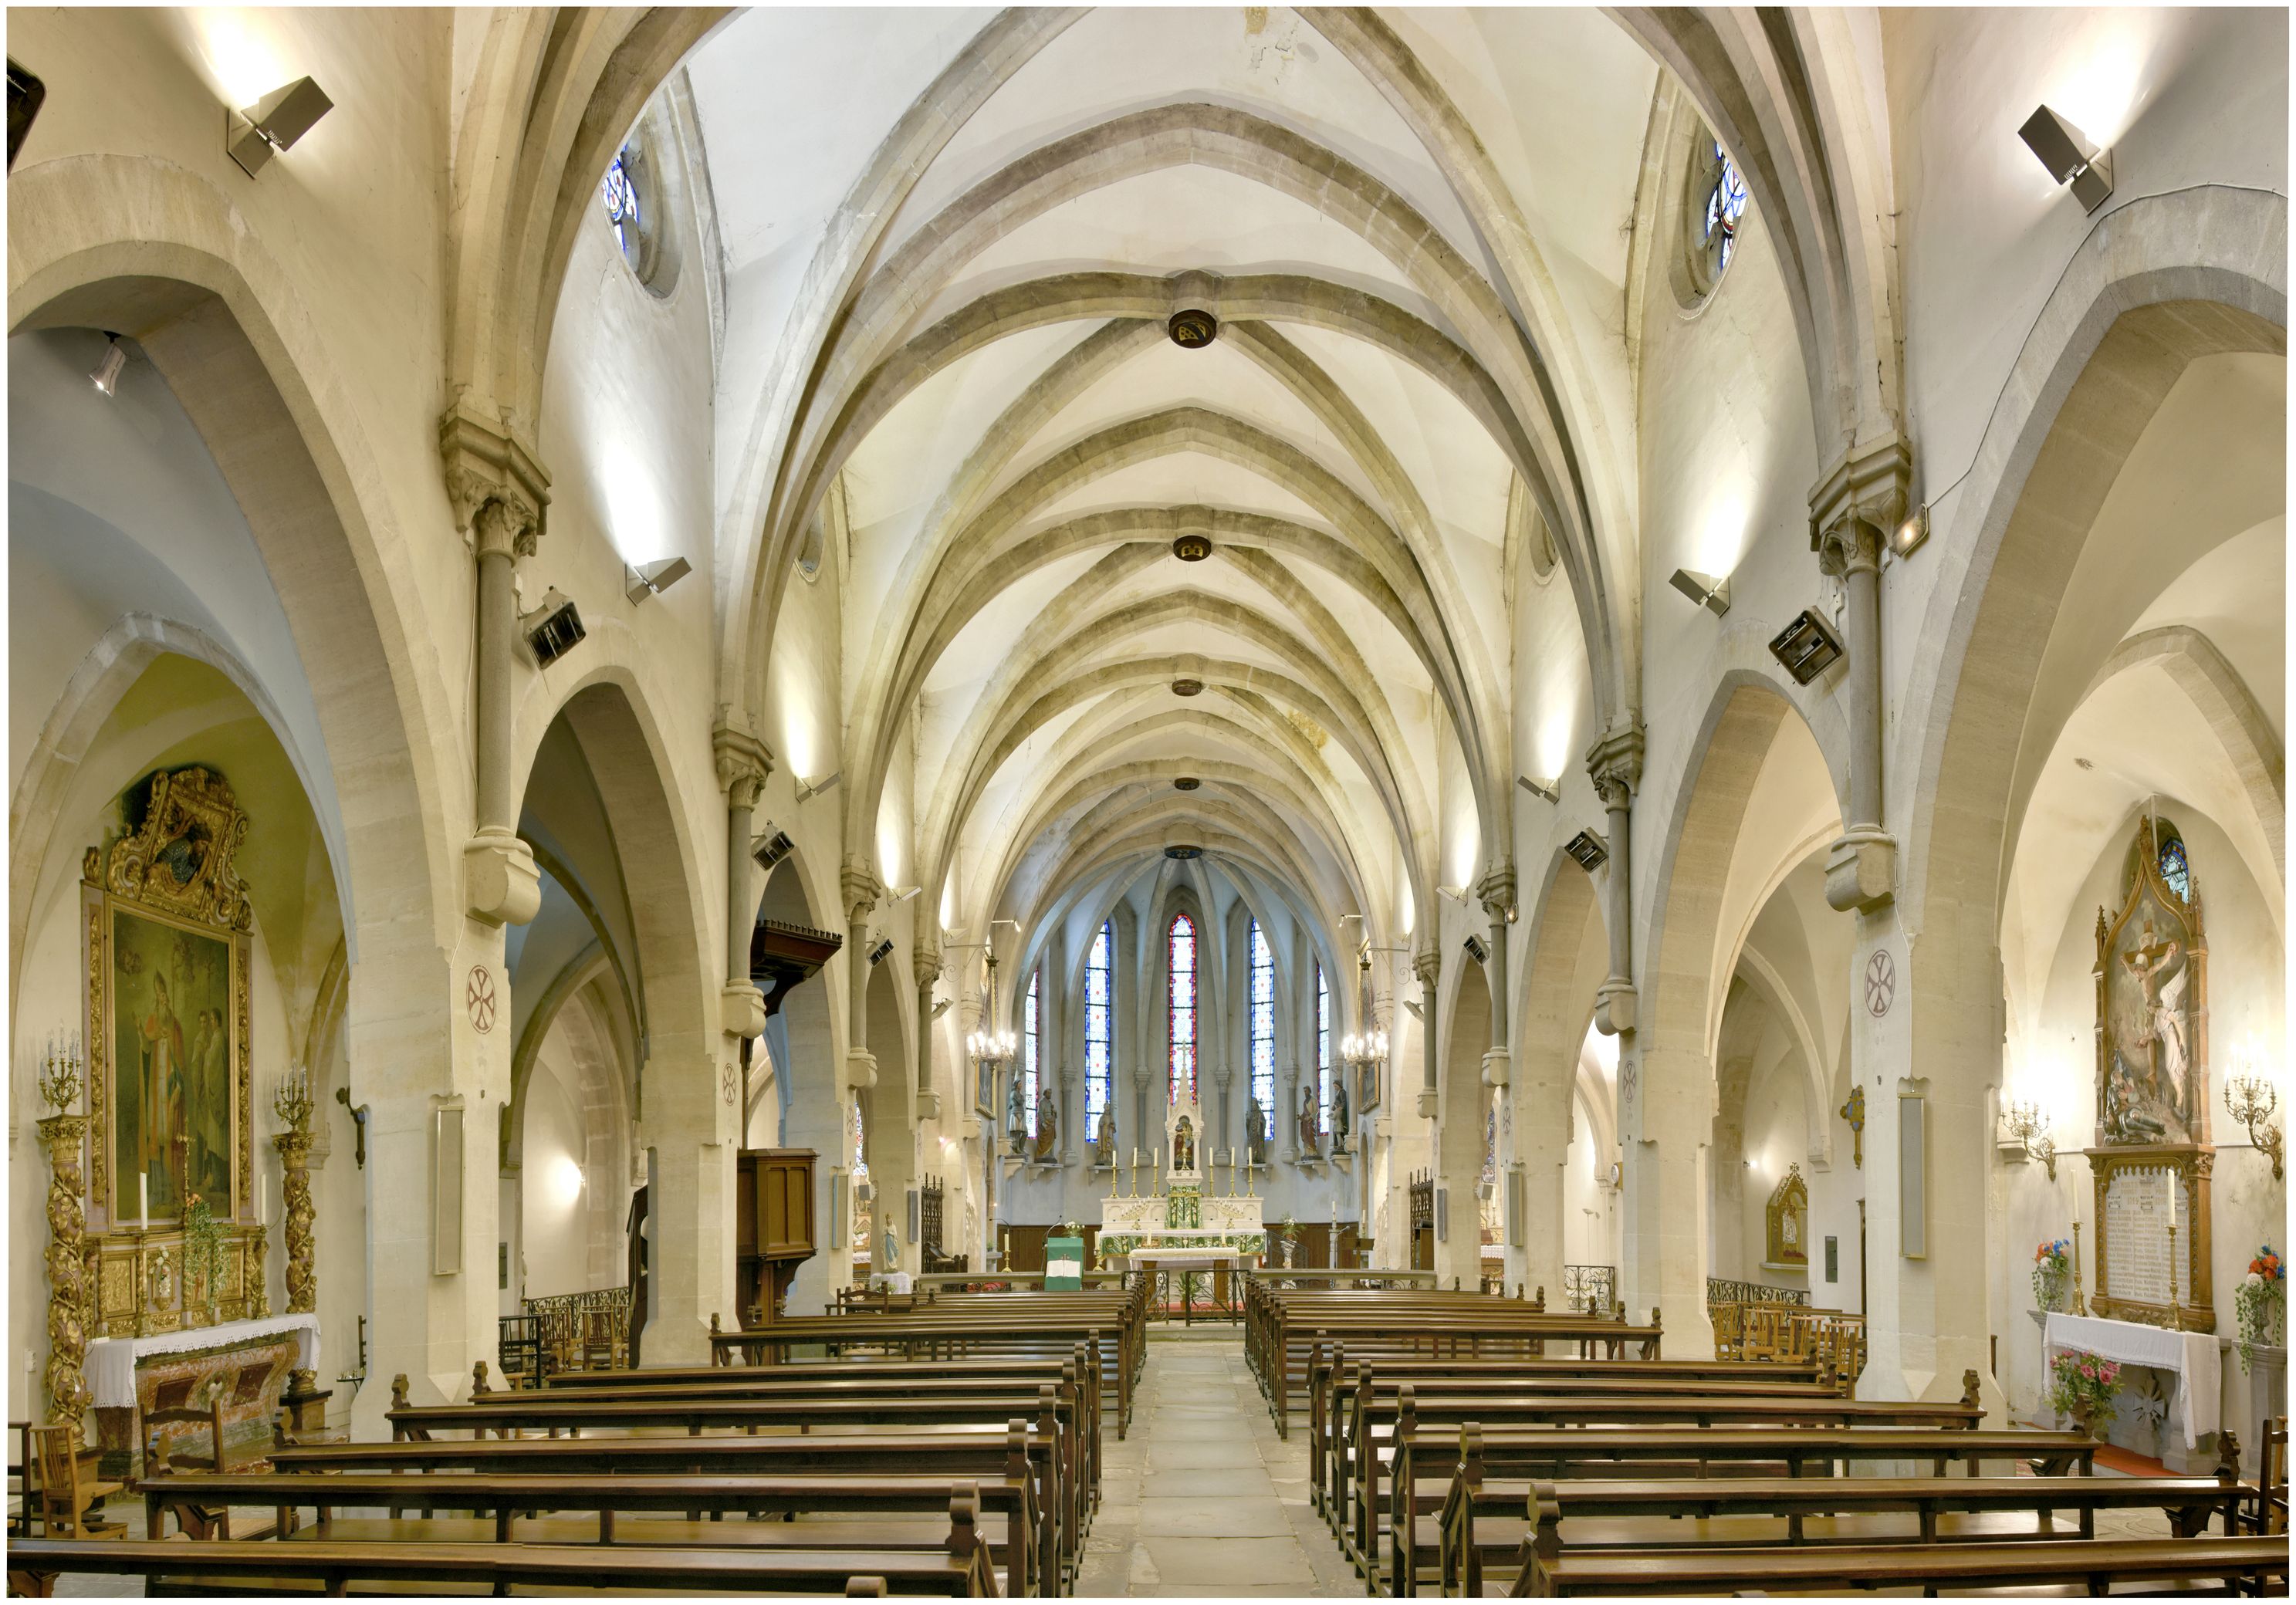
column 1616, row 764
column 1427, row 965
column 926, row 963
column 68, row 1288
column 1496, row 891
column 863, row 890
column 743, row 766
column 1852, row 510
column 500, row 494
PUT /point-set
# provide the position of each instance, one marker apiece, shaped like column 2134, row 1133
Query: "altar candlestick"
column 262, row 1201
column 143, row 1200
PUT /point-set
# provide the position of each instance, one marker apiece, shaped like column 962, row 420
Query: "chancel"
column 1147, row 799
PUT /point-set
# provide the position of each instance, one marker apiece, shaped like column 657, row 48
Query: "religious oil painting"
column 2151, row 995
column 171, row 1029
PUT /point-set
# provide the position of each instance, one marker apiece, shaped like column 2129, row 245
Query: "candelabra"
column 290, row 1100
column 2250, row 1099
column 2029, row 1123
column 60, row 1072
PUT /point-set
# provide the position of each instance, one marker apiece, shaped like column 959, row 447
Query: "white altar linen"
column 112, row 1361
column 2193, row 1356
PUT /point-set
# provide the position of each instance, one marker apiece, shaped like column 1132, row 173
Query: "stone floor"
column 1203, row 1498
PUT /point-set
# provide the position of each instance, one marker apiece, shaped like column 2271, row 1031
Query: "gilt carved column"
column 295, row 1194
column 68, row 1277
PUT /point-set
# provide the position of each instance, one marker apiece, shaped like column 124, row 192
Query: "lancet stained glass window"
column 2174, row 868
column 1323, row 1047
column 618, row 191
column 1028, row 1053
column 1263, row 1019
column 1099, row 1012
column 1180, row 939
column 1726, row 206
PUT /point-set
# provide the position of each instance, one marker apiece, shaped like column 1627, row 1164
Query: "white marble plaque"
column 2136, row 1262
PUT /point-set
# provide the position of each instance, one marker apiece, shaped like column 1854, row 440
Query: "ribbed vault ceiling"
column 1013, row 443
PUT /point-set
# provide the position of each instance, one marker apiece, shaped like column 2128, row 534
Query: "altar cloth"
column 110, row 1367
column 2193, row 1356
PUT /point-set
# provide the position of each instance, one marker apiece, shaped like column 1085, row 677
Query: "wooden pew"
column 2241, row 1564
column 1425, row 1458
column 1016, row 1448
column 1487, row 1525
column 516, row 1508
column 1371, row 1416
column 173, row 1564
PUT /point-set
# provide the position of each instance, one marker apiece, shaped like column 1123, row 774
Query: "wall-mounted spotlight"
column 554, row 629
column 653, row 579
column 902, row 894
column 106, row 377
column 771, row 846
column 1457, row 894
column 1412, row 1004
column 253, row 136
column 1476, row 950
column 882, row 951
column 1549, row 791
column 807, row 790
column 26, row 92
column 1808, row 647
column 941, row 1006
column 1588, row 851
column 1912, row 533
column 2070, row 157
column 1704, row 589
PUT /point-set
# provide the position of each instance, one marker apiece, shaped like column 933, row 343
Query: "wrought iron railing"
column 588, row 1330
column 1720, row 1291
column 1590, row 1288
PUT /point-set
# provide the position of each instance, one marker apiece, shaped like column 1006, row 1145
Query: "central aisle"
column 1203, row 1498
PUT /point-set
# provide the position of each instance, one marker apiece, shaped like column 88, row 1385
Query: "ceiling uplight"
column 1708, row 592
column 253, row 136
column 2068, row 156
column 652, row 580
column 106, row 377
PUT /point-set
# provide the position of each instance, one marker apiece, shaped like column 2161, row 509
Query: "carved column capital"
column 863, row 890
column 1858, row 501
column 1615, row 764
column 1496, row 891
column 744, row 763
column 498, row 488
column 924, row 962
column 1427, row 965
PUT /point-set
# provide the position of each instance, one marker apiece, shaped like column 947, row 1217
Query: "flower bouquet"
column 2259, row 1303
column 2085, row 1387
column 2052, row 1272
column 203, row 1253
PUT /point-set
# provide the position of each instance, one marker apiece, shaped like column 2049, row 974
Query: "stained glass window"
column 1263, row 1019
column 2173, row 870
column 619, row 193
column 1725, row 206
column 1181, row 940
column 1099, row 1009
column 1323, row 1047
column 1028, row 1053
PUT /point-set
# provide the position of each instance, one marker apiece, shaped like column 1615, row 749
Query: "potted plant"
column 2052, row 1273
column 2085, row 1388
column 2261, row 1302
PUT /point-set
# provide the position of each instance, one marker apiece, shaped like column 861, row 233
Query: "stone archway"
column 1463, row 1107
column 1569, row 960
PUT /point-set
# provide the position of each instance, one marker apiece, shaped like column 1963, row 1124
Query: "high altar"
column 1177, row 1213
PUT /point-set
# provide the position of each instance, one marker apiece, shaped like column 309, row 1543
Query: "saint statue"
column 1311, row 1135
column 1255, row 1132
column 1016, row 1119
column 892, row 1251
column 1339, row 1114
column 1048, row 1126
column 1104, row 1140
column 1184, row 1145
column 2161, row 981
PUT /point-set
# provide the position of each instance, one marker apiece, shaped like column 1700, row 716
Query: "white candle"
column 143, row 1199
column 263, row 1201
column 2173, row 1191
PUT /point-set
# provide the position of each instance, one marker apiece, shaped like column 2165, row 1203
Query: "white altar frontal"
column 2191, row 1411
column 1175, row 1212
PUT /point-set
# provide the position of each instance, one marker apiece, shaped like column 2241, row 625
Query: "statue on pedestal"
column 1311, row 1135
column 1104, row 1140
column 1016, row 1119
column 1184, row 1145
column 1048, row 1126
column 1340, row 1114
column 1255, row 1132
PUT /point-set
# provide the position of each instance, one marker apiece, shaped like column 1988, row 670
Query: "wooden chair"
column 601, row 1340
column 66, row 1497
column 2265, row 1510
